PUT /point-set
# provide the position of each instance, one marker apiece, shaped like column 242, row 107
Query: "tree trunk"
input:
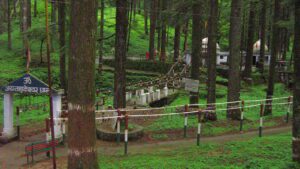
column 62, row 43
column 120, row 55
column 8, row 26
column 176, row 43
column 234, row 59
column 35, row 9
column 196, row 47
column 164, row 32
column 263, row 21
column 250, row 40
column 130, row 23
column 2, row 16
column 212, row 51
column 146, row 16
column 101, row 37
column 274, row 56
column 152, row 29
column 53, row 23
column 296, row 114
column 29, row 13
column 82, row 152
column 186, row 34
column 25, row 27
column 158, row 28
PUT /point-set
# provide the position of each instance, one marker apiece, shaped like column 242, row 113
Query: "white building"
column 222, row 56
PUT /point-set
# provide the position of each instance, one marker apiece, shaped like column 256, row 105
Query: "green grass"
column 256, row 153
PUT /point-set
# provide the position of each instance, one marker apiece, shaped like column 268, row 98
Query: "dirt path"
column 10, row 154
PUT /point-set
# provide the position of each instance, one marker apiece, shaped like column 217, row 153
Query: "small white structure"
column 205, row 45
column 256, row 53
column 30, row 85
column 187, row 57
column 222, row 58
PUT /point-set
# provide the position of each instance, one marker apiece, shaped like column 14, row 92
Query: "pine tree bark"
column 177, row 43
column 274, row 57
column 212, row 51
column 296, row 114
column 131, row 12
column 164, row 32
column 24, row 28
column 35, row 9
column 186, row 34
column 82, row 152
column 263, row 21
column 9, row 45
column 2, row 16
column 62, row 43
column 146, row 16
column 250, row 41
column 158, row 28
column 234, row 59
column 120, row 55
column 29, row 13
column 196, row 47
column 152, row 29
column 101, row 36
column 53, row 23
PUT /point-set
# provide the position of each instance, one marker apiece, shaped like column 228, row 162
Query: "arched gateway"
column 27, row 84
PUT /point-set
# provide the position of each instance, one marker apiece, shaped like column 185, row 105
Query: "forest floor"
column 11, row 154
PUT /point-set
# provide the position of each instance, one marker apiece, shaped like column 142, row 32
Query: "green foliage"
column 144, row 65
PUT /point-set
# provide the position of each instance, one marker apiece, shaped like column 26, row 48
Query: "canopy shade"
column 27, row 84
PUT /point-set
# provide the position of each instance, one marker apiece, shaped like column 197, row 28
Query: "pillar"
column 56, row 100
column 165, row 91
column 142, row 99
column 158, row 94
column 8, row 118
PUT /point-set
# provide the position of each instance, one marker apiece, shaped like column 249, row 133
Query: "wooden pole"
column 242, row 116
column 261, row 119
column 18, row 122
column 50, row 88
column 199, row 128
column 126, row 134
column 289, row 109
column 186, row 109
column 118, row 126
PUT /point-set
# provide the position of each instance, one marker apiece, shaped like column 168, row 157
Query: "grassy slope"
column 251, row 114
column 267, row 152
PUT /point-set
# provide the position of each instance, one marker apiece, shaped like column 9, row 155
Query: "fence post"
column 289, row 109
column 242, row 116
column 186, row 109
column 126, row 134
column 18, row 122
column 118, row 126
column 47, row 131
column 199, row 128
column 261, row 119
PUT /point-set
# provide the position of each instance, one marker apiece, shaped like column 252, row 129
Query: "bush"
column 143, row 65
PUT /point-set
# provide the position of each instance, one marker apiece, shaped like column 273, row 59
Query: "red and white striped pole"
column 126, row 134
column 242, row 116
column 118, row 126
column 199, row 128
column 186, row 109
column 261, row 119
column 289, row 109
column 18, row 122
